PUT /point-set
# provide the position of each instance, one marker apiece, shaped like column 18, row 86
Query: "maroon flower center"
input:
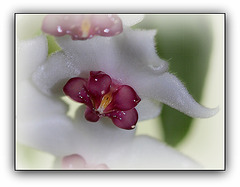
column 104, row 97
column 82, row 27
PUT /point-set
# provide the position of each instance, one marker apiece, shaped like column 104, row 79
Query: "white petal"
column 44, row 125
column 148, row 153
column 53, row 134
column 148, row 109
column 30, row 54
column 124, row 58
column 40, row 119
column 131, row 19
column 52, row 75
column 100, row 138
column 42, row 122
column 133, row 48
column 167, row 89
column 94, row 54
column 31, row 103
column 137, row 47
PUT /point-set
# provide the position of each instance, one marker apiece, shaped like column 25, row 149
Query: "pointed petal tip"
column 208, row 112
column 196, row 110
column 199, row 111
column 168, row 89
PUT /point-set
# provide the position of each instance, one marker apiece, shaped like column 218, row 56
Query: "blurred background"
column 193, row 45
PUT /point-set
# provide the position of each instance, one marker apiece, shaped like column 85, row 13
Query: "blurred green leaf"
column 184, row 41
column 28, row 26
column 52, row 45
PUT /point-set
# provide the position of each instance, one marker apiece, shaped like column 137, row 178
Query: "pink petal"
column 76, row 161
column 73, row 162
column 76, row 90
column 124, row 119
column 103, row 25
column 125, row 98
column 109, row 25
column 91, row 115
column 53, row 24
column 98, row 85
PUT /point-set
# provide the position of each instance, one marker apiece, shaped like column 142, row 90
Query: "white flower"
column 130, row 59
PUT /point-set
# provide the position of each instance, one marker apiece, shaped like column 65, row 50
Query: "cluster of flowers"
column 115, row 72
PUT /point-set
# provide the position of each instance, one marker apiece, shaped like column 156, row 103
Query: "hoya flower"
column 129, row 59
column 130, row 77
column 104, row 97
column 85, row 26
column 75, row 161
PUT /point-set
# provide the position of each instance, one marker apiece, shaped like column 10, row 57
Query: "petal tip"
column 202, row 112
column 174, row 94
column 210, row 112
column 131, row 19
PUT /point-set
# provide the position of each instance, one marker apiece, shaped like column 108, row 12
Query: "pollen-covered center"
column 106, row 100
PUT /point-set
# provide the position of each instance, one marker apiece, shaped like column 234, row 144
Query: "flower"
column 75, row 161
column 85, row 26
column 82, row 26
column 104, row 97
column 129, row 59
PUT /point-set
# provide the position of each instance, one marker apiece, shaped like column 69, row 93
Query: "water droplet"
column 96, row 79
column 133, row 126
column 59, row 29
column 106, row 30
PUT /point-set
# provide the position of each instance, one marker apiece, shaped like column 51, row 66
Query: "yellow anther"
column 106, row 100
column 85, row 27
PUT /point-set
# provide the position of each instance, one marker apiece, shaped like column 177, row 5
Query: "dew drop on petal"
column 59, row 29
column 106, row 30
